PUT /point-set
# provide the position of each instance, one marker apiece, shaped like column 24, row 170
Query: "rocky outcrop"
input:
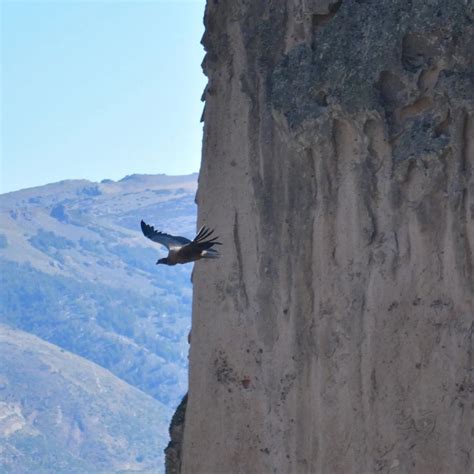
column 175, row 446
column 335, row 335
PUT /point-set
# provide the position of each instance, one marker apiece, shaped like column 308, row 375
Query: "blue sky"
column 100, row 89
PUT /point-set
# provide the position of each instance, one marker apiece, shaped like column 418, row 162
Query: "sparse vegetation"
column 91, row 287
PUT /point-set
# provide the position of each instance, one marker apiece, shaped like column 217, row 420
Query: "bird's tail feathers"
column 208, row 244
column 210, row 254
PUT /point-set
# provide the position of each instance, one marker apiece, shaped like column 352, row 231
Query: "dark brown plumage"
column 181, row 249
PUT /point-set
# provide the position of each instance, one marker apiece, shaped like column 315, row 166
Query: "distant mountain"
column 62, row 413
column 76, row 271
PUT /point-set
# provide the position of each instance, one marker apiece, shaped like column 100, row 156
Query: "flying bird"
column 181, row 249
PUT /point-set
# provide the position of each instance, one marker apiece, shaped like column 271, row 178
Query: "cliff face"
column 335, row 335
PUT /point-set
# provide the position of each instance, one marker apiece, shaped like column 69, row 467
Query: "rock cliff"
column 335, row 335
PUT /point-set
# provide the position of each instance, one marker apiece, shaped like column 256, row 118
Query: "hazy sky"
column 99, row 89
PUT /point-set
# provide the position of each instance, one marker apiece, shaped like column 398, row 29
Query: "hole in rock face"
column 321, row 99
column 391, row 89
column 318, row 20
column 418, row 51
column 443, row 127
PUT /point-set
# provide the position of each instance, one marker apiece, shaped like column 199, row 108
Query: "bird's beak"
column 157, row 262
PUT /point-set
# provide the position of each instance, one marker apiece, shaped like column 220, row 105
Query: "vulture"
column 181, row 249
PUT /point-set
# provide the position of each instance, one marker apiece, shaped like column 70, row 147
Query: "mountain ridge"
column 76, row 271
column 81, row 425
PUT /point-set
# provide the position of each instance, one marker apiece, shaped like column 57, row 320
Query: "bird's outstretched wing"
column 169, row 241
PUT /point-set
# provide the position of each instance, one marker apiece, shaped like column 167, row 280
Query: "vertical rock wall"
column 335, row 335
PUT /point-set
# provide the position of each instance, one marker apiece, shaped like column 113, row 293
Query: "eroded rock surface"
column 173, row 451
column 335, row 335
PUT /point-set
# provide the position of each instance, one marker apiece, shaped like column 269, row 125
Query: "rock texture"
column 173, row 455
column 335, row 335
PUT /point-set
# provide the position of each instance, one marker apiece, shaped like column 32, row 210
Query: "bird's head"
column 162, row 260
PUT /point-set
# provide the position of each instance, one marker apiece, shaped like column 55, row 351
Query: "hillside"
column 76, row 271
column 60, row 413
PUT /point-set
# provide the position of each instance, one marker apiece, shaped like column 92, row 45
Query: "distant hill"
column 60, row 413
column 76, row 271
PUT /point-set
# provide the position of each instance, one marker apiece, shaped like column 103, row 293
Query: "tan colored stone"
column 344, row 197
